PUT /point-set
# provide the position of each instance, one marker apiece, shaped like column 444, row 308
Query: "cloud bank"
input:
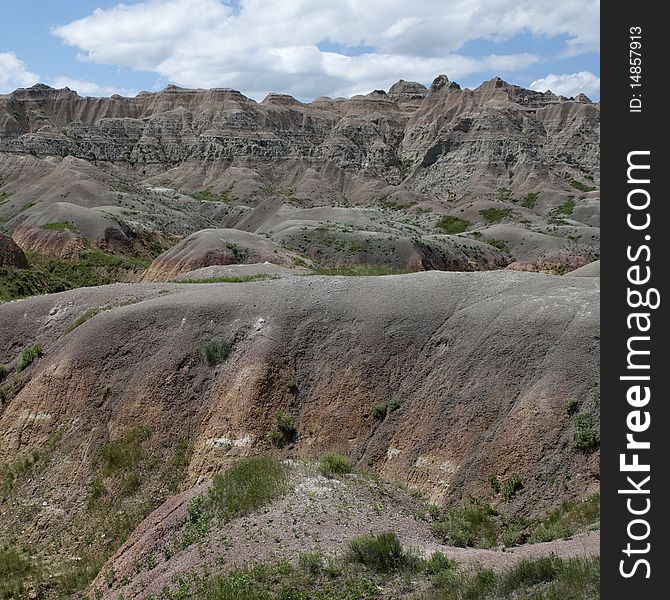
column 569, row 84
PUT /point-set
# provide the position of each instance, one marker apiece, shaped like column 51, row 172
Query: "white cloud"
column 261, row 46
column 569, row 84
column 13, row 73
column 88, row 88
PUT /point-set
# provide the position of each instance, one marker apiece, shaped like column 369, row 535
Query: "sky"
column 306, row 48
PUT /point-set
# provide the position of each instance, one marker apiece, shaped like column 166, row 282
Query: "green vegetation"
column 334, row 464
column 582, row 187
column 15, row 569
column 123, row 455
column 216, row 352
column 585, row 438
column 384, row 409
column 529, row 200
column 477, row 524
column 405, row 166
column 284, row 432
column 83, row 317
column 28, row 356
column 500, row 244
column 5, row 196
column 494, row 215
column 3, row 372
column 50, row 275
column 209, row 196
column 292, row 384
column 247, row 486
column 452, row 225
column 360, row 271
column 381, row 553
column 59, row 226
column 509, row 489
column 565, row 209
column 231, row 279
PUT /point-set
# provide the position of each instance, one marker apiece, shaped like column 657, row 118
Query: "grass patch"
column 284, row 432
column 567, row 520
column 582, row 187
column 215, row 352
column 28, row 356
column 584, row 438
column 231, row 279
column 247, row 486
column 500, row 244
column 59, row 226
column 5, row 196
column 510, row 488
column 389, row 204
column 360, row 271
column 384, row 409
column 452, row 225
column 83, row 317
column 530, row 200
column 3, row 372
column 494, row 215
column 475, row 524
column 564, row 210
column 381, row 553
column 209, row 196
column 16, row 569
column 334, row 464
column 123, row 455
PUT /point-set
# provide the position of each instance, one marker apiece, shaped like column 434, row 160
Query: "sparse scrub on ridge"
column 530, row 199
column 582, row 187
column 499, row 244
column 360, row 271
column 216, row 351
column 565, row 209
column 585, row 438
column 59, row 226
column 285, row 430
column 494, row 215
column 246, row 486
column 230, row 279
column 28, row 356
column 83, row 317
column 333, row 464
column 209, row 196
column 452, row 225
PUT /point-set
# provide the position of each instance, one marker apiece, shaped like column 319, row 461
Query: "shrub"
column 566, row 520
column 493, row 215
column 476, row 523
column 285, row 430
column 3, row 372
column 584, row 437
column 565, row 209
column 496, row 486
column 511, row 487
column 384, row 409
column 453, row 225
column 246, row 486
column 83, row 317
column 124, row 454
column 529, row 200
column 582, row 187
column 312, row 562
column 28, row 356
column 334, row 464
column 216, row 352
column 292, row 384
column 382, row 553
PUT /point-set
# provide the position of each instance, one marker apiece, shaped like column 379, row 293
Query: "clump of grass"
column 59, row 226
column 3, row 372
column 15, row 569
column 125, row 453
column 510, row 488
column 582, row 187
column 382, row 553
column 384, row 409
column 231, row 279
column 565, row 209
column 453, row 225
column 28, row 356
column 529, row 200
column 285, row 430
column 500, row 244
column 216, row 352
column 494, row 215
column 83, row 317
column 565, row 521
column 387, row 203
column 247, row 486
column 333, row 464
column 209, row 196
column 584, row 438
column 360, row 271
column 292, row 384
column 476, row 523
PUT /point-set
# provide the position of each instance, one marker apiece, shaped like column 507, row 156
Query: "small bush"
column 28, row 356
column 124, row 454
column 292, row 384
column 496, row 486
column 511, row 487
column 453, row 225
column 438, row 563
column 582, row 187
column 529, row 200
column 312, row 562
column 3, row 372
column 285, row 431
column 384, row 409
column 382, row 553
column 334, row 464
column 475, row 524
column 216, row 352
column 246, row 486
column 584, row 437
column 493, row 215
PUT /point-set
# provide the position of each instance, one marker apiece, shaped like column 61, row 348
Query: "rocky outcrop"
column 11, row 255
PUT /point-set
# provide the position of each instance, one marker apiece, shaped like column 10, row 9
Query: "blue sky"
column 303, row 47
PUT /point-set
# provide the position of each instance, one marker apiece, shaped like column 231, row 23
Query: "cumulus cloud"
column 89, row 88
column 13, row 73
column 569, row 84
column 258, row 46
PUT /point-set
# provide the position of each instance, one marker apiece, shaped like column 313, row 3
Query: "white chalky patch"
column 391, row 452
column 224, row 442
